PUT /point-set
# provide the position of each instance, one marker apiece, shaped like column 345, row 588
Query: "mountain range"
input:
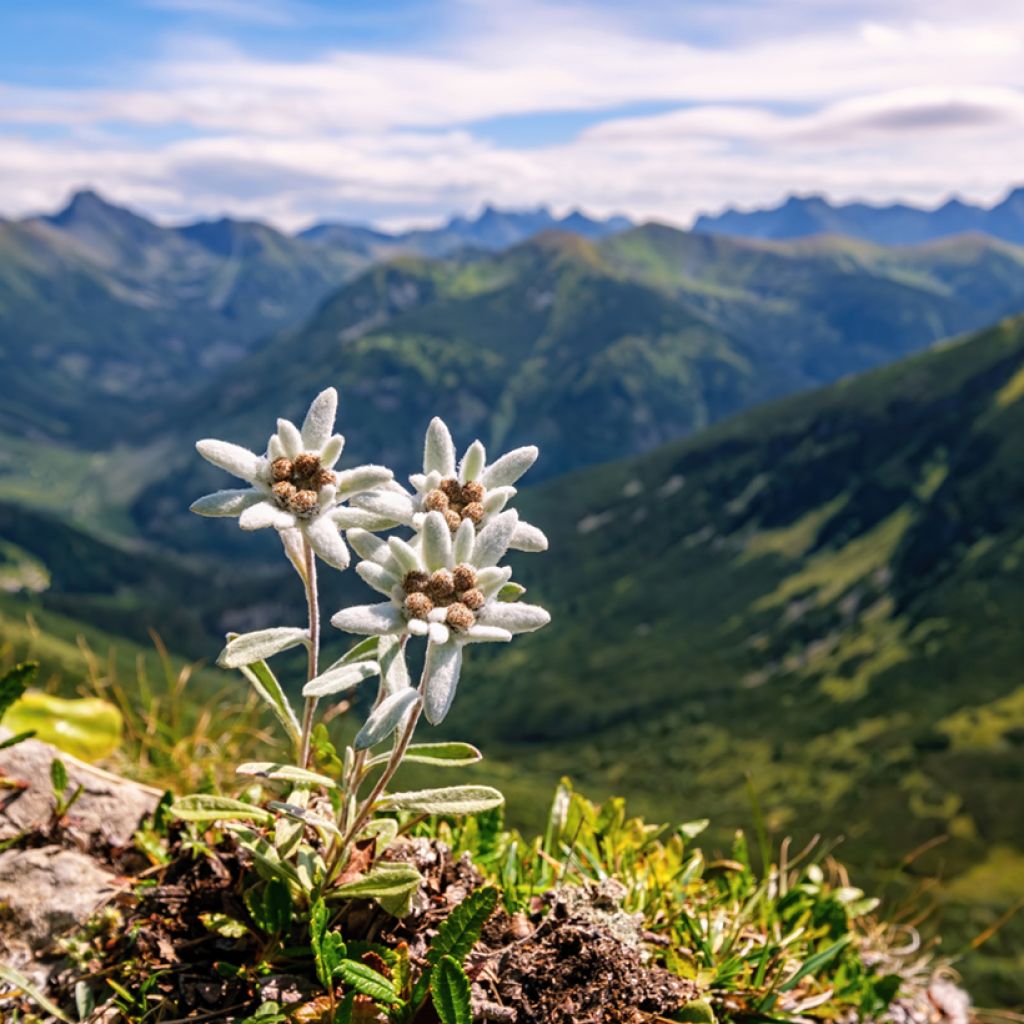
column 893, row 224
column 818, row 590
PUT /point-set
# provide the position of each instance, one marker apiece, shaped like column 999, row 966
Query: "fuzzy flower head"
column 446, row 589
column 473, row 491
column 294, row 487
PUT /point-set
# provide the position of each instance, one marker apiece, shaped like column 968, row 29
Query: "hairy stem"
column 313, row 604
column 397, row 753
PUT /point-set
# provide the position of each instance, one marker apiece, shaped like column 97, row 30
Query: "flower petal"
column 352, row 518
column 331, row 451
column 515, row 616
column 238, row 461
column 465, row 539
column 473, row 462
column 439, row 633
column 325, row 539
column 417, row 627
column 290, row 438
column 510, row 467
column 441, row 671
column 390, row 505
column 266, row 513
column 497, row 498
column 407, row 557
column 319, row 421
column 226, row 503
column 439, row 450
column 490, row 581
column 437, row 542
column 369, row 619
column 394, row 673
column 362, row 478
column 376, row 549
column 493, row 540
column 486, row 635
column 528, row 538
column 377, row 577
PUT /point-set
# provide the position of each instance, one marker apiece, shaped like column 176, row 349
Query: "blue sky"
column 406, row 111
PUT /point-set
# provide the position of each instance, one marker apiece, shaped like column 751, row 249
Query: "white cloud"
column 906, row 104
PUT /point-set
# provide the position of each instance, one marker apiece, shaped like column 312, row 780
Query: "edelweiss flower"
column 294, row 487
column 476, row 492
column 445, row 589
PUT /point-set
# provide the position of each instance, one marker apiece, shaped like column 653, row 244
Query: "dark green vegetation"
column 822, row 597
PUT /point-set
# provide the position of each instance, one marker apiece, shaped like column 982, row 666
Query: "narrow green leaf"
column 511, row 592
column 448, row 800
column 277, row 907
column 366, row 981
column 19, row 981
column 449, row 992
column 14, row 682
column 264, row 856
column 441, row 755
column 286, row 772
column 340, row 679
column 385, row 718
column 265, row 683
column 248, row 648
column 205, row 807
column 459, row 931
column 815, row 963
column 17, row 738
column 58, row 776
column 391, row 885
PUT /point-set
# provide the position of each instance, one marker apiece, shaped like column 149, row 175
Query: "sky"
column 404, row 112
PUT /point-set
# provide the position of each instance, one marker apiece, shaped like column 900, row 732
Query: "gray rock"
column 109, row 807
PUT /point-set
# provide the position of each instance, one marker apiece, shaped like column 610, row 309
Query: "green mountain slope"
column 102, row 310
column 824, row 596
column 643, row 337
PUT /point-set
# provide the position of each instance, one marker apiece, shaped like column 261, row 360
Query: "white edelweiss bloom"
column 446, row 589
column 293, row 487
column 473, row 491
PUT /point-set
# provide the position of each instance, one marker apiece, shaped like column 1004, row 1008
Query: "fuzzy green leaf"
column 58, row 777
column 287, row 773
column 205, row 807
column 459, row 931
column 265, row 683
column 385, row 718
column 441, row 755
column 696, row 1012
column 448, row 800
column 248, row 648
column 391, row 885
column 449, row 992
column 366, row 981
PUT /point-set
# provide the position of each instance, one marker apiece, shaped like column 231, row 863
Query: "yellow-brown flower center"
column 454, row 590
column 297, row 483
column 456, row 501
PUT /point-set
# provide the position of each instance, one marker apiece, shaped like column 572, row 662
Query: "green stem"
column 313, row 605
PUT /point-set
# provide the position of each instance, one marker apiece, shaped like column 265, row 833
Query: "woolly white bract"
column 317, row 512
column 443, row 584
column 440, row 473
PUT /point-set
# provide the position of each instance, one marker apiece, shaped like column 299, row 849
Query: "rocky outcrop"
column 51, row 879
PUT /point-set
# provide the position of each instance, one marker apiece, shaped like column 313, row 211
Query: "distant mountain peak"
column 799, row 216
column 85, row 202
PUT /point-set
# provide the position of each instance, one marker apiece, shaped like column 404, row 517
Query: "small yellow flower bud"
column 281, row 469
column 473, row 511
column 441, row 586
column 473, row 491
column 452, row 489
column 306, row 465
column 415, row 582
column 436, row 501
column 284, row 491
column 419, row 606
column 453, row 519
column 303, row 502
column 473, row 599
column 459, row 617
column 324, row 477
column 464, row 577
